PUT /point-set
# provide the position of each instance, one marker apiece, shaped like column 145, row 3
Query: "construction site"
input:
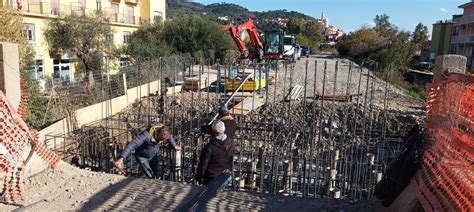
column 317, row 134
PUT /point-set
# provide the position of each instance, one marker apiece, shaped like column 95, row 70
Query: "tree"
column 361, row 44
column 80, row 36
column 384, row 27
column 421, row 34
column 396, row 56
column 295, row 26
column 314, row 31
column 148, row 41
column 193, row 34
column 382, row 22
column 305, row 41
column 12, row 31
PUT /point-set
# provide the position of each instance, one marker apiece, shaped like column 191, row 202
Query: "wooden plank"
column 421, row 72
column 206, row 79
column 176, row 89
column 246, row 106
column 294, row 93
column 241, row 94
column 194, row 83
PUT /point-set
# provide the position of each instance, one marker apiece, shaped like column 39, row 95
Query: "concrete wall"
column 87, row 115
column 10, row 73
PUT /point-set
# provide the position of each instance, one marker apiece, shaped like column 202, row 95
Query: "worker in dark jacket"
column 217, row 155
column 146, row 146
column 229, row 122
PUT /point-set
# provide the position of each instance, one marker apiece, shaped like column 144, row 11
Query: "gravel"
column 358, row 77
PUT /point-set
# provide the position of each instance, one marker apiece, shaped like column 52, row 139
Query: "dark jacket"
column 230, row 127
column 144, row 147
column 216, row 156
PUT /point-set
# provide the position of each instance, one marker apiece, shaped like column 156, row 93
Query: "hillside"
column 235, row 13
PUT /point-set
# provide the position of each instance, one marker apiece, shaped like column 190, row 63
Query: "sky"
column 350, row 15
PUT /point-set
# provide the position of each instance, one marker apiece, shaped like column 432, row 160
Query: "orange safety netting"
column 16, row 142
column 445, row 181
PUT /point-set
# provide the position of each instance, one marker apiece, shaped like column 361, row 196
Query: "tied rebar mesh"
column 323, row 128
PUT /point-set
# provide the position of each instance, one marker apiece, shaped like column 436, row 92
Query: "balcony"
column 133, row 2
column 463, row 39
column 55, row 10
column 464, row 20
column 129, row 20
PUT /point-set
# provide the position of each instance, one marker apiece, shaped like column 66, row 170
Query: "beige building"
column 440, row 39
column 125, row 16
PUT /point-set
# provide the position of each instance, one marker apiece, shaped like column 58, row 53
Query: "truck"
column 291, row 51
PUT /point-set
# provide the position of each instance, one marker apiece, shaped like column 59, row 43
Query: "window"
column 157, row 16
column 455, row 31
column 126, row 36
column 54, row 7
column 62, row 70
column 129, row 16
column 98, row 5
column 109, row 38
column 289, row 40
column 39, row 67
column 29, row 30
column 113, row 12
column 12, row 4
column 124, row 62
column 273, row 43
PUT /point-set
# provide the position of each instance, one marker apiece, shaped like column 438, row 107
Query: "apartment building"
column 462, row 41
column 441, row 37
column 125, row 17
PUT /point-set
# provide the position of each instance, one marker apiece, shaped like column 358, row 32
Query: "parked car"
column 305, row 51
column 423, row 66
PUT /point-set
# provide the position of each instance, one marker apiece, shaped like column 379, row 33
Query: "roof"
column 466, row 4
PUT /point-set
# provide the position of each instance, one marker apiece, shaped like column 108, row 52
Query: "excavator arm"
column 240, row 43
column 250, row 27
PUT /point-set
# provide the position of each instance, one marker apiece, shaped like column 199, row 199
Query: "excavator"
column 271, row 49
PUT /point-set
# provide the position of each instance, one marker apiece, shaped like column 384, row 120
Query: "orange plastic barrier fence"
column 16, row 143
column 445, row 181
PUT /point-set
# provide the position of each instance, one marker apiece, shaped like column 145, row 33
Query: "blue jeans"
column 149, row 166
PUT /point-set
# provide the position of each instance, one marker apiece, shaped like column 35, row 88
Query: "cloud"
column 444, row 10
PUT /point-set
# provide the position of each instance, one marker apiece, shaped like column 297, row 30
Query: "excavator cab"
column 273, row 47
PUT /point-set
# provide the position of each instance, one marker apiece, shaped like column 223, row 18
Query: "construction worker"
column 229, row 122
column 146, row 146
column 217, row 156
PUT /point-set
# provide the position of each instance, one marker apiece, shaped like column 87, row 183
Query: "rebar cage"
column 317, row 128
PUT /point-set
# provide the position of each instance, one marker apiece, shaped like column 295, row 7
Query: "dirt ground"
column 70, row 188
